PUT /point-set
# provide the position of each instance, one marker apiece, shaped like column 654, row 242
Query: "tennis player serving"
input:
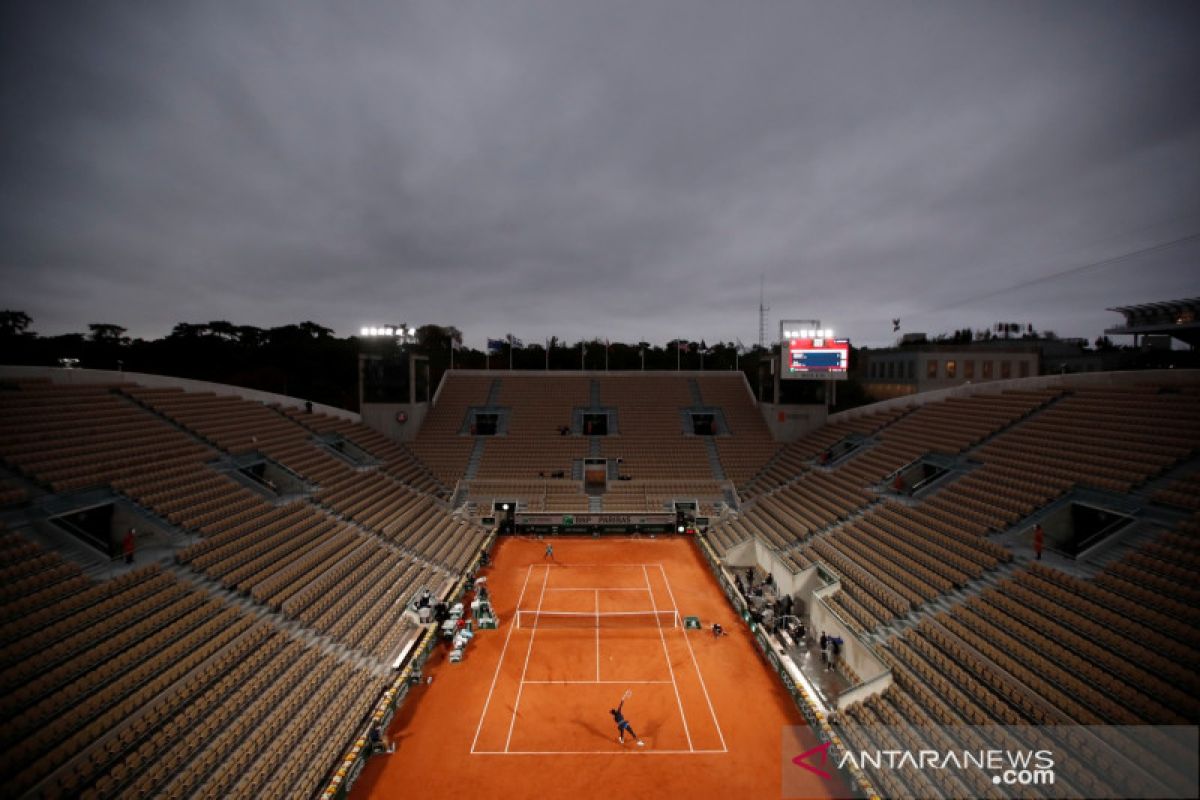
column 622, row 723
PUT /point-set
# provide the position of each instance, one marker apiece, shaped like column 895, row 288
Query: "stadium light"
column 405, row 333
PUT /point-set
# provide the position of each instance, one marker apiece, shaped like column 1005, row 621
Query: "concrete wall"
column 743, row 555
column 866, row 689
column 382, row 417
column 91, row 376
column 797, row 420
column 786, row 581
column 857, row 653
column 808, row 587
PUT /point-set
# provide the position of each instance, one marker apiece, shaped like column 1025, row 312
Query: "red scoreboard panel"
column 816, row 359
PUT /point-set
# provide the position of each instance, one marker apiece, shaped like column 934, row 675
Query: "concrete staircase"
column 714, row 458
column 493, row 398
column 475, row 459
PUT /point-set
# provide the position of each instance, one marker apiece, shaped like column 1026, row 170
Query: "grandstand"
column 265, row 623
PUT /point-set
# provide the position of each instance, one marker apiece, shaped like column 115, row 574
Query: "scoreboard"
column 813, row 354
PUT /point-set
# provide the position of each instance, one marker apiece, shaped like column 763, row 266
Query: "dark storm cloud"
column 591, row 169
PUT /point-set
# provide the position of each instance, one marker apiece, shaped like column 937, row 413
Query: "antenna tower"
column 762, row 315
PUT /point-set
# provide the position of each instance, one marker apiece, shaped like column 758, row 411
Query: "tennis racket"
column 628, row 694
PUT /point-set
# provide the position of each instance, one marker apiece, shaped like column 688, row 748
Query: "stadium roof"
column 1178, row 318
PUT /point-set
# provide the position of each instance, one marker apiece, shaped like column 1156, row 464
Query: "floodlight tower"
column 393, row 380
column 762, row 315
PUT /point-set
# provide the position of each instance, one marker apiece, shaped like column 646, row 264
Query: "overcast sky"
column 597, row 168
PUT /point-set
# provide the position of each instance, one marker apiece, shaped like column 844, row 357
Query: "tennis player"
column 549, row 552
column 623, row 725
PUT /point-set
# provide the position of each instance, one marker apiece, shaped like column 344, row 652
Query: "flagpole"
column 582, row 353
column 547, row 355
column 677, row 356
column 606, row 354
column 510, row 349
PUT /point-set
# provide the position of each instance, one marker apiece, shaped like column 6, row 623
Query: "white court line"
column 597, row 636
column 500, row 663
column 565, row 682
column 667, row 655
column 572, row 564
column 594, row 588
column 524, row 669
column 699, row 675
column 649, row 751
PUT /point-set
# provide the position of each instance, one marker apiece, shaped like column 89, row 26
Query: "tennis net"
column 660, row 618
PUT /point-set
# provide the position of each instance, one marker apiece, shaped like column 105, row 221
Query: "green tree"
column 108, row 334
column 13, row 323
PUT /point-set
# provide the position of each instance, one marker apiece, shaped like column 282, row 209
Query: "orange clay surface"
column 525, row 714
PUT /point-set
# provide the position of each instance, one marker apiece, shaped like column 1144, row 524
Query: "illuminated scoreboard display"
column 810, row 352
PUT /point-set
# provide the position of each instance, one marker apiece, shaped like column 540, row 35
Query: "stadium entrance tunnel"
column 93, row 526
column 841, row 449
column 921, row 474
column 704, row 421
column 504, row 514
column 344, row 449
column 267, row 477
column 486, row 421
column 1078, row 528
column 101, row 521
column 593, row 420
column 595, row 424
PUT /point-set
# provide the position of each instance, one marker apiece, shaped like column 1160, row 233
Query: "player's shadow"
column 652, row 727
column 607, row 734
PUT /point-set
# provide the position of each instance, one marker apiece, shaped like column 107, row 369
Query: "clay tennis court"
column 525, row 714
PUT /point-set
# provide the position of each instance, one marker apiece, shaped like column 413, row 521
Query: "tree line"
column 307, row 360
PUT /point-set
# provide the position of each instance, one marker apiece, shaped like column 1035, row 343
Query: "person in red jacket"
column 1039, row 540
column 128, row 546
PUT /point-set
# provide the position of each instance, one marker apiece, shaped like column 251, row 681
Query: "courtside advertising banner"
column 1051, row 761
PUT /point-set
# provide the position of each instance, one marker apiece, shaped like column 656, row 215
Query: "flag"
column 703, row 347
column 515, row 342
column 682, row 345
column 495, row 346
column 456, row 342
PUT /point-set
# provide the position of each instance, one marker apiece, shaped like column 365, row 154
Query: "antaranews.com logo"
column 1063, row 761
column 1007, row 767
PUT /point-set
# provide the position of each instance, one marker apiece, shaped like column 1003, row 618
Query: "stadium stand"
column 170, row 679
column 748, row 441
column 249, row 660
column 443, row 442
